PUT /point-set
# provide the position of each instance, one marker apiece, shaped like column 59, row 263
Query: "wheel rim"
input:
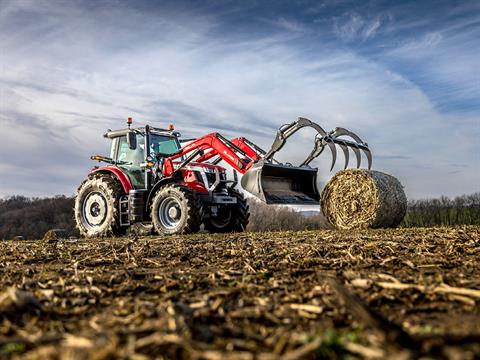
column 170, row 212
column 94, row 209
column 223, row 218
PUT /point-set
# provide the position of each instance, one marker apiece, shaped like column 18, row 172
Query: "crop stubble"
column 369, row 293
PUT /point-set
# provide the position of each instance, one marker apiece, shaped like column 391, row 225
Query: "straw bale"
column 358, row 198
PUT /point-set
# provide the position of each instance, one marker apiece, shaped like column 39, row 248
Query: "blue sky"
column 404, row 75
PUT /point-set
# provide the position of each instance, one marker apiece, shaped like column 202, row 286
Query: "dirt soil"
column 404, row 293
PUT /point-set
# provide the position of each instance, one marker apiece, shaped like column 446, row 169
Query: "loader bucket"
column 281, row 184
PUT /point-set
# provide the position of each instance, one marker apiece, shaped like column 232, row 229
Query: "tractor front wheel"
column 96, row 207
column 175, row 210
column 230, row 218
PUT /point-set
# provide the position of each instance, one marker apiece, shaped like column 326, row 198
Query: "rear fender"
column 117, row 173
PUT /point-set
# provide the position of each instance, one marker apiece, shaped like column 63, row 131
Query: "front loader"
column 150, row 178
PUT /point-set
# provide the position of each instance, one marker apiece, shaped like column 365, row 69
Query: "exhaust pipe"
column 282, row 184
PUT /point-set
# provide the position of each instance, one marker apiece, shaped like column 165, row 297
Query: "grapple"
column 277, row 183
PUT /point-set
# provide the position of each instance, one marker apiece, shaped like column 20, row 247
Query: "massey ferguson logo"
column 229, row 156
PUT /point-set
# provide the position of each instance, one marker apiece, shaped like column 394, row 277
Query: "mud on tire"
column 175, row 210
column 96, row 206
column 235, row 217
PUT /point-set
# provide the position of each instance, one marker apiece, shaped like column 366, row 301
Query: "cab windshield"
column 162, row 144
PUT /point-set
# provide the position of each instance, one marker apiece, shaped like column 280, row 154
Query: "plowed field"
column 319, row 294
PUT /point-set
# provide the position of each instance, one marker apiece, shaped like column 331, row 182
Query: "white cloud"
column 447, row 59
column 353, row 26
column 76, row 74
column 371, row 29
column 425, row 42
column 289, row 25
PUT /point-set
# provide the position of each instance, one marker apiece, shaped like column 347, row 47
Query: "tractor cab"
column 128, row 146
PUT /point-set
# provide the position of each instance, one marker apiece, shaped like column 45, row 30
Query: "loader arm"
column 217, row 145
column 251, row 150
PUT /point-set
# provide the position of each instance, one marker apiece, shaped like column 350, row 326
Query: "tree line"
column 31, row 218
column 444, row 211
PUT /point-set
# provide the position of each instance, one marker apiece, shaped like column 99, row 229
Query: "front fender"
column 118, row 173
column 154, row 190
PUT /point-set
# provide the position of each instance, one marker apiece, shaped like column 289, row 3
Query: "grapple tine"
column 356, row 146
column 339, row 131
column 333, row 148
column 356, row 150
column 344, row 147
column 317, row 150
column 369, row 157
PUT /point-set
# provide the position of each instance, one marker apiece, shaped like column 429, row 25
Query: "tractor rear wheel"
column 175, row 210
column 96, row 207
column 230, row 218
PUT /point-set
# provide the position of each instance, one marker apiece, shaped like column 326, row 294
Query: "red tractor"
column 150, row 178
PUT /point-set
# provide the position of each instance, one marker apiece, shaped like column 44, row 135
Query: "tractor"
column 173, row 185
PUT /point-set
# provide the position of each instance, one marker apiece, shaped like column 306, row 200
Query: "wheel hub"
column 95, row 209
column 170, row 212
column 174, row 212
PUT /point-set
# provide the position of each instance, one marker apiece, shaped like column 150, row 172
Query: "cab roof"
column 111, row 134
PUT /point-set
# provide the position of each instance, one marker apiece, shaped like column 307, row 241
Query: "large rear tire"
column 175, row 210
column 96, row 207
column 230, row 218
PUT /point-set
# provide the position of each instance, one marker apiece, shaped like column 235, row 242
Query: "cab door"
column 130, row 160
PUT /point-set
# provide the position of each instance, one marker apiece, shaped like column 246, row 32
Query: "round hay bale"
column 358, row 198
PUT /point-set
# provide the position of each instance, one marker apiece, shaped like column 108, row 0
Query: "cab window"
column 113, row 148
column 128, row 156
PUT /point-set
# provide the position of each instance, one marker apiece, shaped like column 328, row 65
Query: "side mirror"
column 132, row 140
